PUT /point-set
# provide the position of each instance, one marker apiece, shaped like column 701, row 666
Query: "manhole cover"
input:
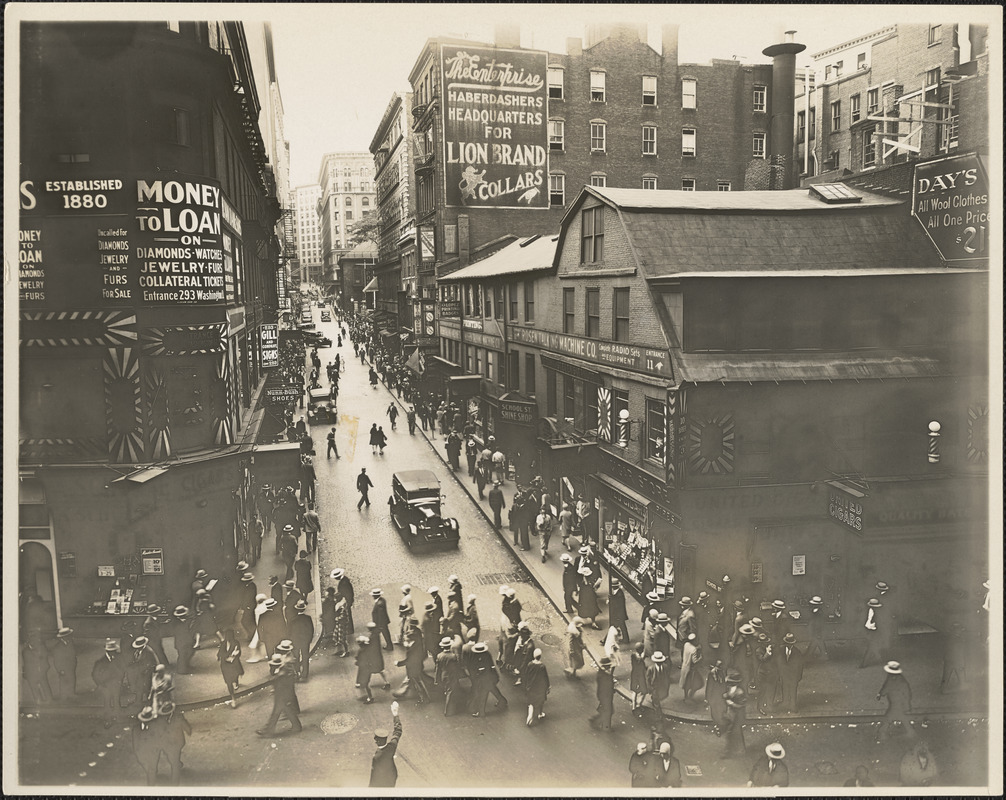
column 339, row 723
column 550, row 639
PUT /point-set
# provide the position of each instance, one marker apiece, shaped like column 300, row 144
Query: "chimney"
column 507, row 34
column 783, row 96
column 669, row 42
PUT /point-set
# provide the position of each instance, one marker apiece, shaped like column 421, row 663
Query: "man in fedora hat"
column 63, row 654
column 414, row 663
column 497, row 503
column 301, row 632
column 153, row 627
column 363, row 486
column 569, row 582
column 485, row 680
column 745, row 659
column 618, row 617
column 652, row 603
column 302, row 574
column 247, row 591
column 147, row 743
column 199, row 581
column 874, row 625
column 344, row 587
column 271, row 626
column 108, row 674
column 770, row 769
column 815, row 625
column 605, row 693
column 140, row 670
column 898, row 693
column 185, row 639
column 734, row 717
column 642, row 767
column 511, row 606
column 379, row 614
column 789, row 668
column 686, row 622
column 438, row 602
column 383, row 772
column 292, row 595
column 288, row 549
column 447, row 674
column 663, row 634
column 429, row 626
column 284, row 696
column 406, row 613
column 658, row 679
column 668, row 767
column 777, row 624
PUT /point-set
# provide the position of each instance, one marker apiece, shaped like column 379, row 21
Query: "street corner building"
column 148, row 273
column 785, row 387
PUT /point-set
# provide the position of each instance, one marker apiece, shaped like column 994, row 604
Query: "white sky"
column 338, row 64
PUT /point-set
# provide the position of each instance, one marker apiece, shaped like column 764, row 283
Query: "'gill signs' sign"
column 950, row 199
column 495, row 116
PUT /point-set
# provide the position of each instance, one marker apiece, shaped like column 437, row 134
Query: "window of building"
column 468, row 299
column 760, row 94
column 551, row 404
column 838, row 68
column 555, row 83
column 596, row 86
column 597, row 137
column 833, row 159
column 593, row 313
column 556, row 134
column 649, row 183
column 568, row 397
column 599, row 179
column 854, row 112
column 869, row 148
column 620, row 315
column 530, row 379
column 619, row 403
column 861, row 61
column 649, row 140
column 654, row 430
column 450, row 237
column 649, row 90
column 487, row 302
column 935, row 34
column 723, row 186
column 812, row 124
column 513, row 371
column 801, row 126
column 349, row 201
column 758, row 145
column 365, row 201
column 476, row 361
column 688, row 142
column 568, row 312
column 688, row 184
column 512, row 295
column 492, row 366
column 932, row 79
column 349, row 214
column 689, row 91
column 836, row 116
column 347, row 186
column 181, row 132
column 529, row 301
column 498, row 302
column 557, row 190
column 592, row 233
column 590, row 404
column 872, row 101
column 827, row 72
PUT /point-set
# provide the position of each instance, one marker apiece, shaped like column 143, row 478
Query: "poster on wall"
column 270, row 344
column 495, row 122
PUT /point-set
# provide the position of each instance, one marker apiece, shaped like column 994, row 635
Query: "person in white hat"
column 231, row 668
column 511, row 606
column 438, row 602
column 896, row 690
column 658, row 681
column 140, row 670
column 687, row 623
column 271, row 626
column 875, row 622
column 301, row 632
column 574, row 646
column 471, row 617
column 536, row 687
column 379, row 614
column 778, row 623
column 406, row 611
column 64, row 660
column 652, row 601
column 770, row 769
column 383, row 772
column 344, row 587
column 448, row 674
column 284, row 696
column 570, row 582
column 815, row 624
column 108, row 674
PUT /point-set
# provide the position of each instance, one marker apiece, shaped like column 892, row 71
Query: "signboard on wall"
column 950, row 200
column 613, row 354
column 495, row 123
column 450, row 308
column 518, row 412
column 270, row 344
column 120, row 240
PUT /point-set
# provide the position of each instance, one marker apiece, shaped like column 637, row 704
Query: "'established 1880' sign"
column 495, row 127
column 950, row 199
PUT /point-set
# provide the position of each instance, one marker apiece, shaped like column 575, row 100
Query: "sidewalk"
column 834, row 690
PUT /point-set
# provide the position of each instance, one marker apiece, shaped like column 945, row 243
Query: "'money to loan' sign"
column 495, row 127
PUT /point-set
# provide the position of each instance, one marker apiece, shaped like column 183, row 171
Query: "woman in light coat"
column 690, row 680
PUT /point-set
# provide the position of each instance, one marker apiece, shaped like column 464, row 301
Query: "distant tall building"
column 347, row 196
column 308, row 232
column 898, row 94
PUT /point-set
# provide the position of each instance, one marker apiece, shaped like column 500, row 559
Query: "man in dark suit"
column 770, row 770
column 570, row 581
column 485, row 680
column 605, row 693
column 301, row 632
column 658, row 678
column 618, row 617
column 789, row 668
column 383, row 772
column 641, row 767
column 293, row 595
column 108, row 673
column 497, row 504
column 536, row 686
column 63, row 653
column 668, row 767
column 284, row 696
column 414, row 663
column 381, row 618
column 448, row 673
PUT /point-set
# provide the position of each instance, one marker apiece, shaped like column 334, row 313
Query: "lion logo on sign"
column 470, row 181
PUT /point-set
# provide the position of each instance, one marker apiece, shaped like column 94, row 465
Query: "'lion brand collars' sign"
column 495, row 109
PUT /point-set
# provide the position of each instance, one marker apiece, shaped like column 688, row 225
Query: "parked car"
column 326, row 317
column 321, row 304
column 321, row 409
column 415, row 510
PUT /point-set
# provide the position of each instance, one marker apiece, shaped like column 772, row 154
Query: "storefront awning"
column 372, row 286
column 622, row 489
column 524, row 255
column 142, row 475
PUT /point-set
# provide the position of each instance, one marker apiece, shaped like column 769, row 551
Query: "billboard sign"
column 120, row 240
column 270, row 344
column 495, row 123
column 950, row 200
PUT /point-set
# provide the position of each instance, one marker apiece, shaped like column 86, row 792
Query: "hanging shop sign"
column 495, row 123
column 846, row 509
column 518, row 412
column 269, row 332
column 950, row 200
column 152, row 560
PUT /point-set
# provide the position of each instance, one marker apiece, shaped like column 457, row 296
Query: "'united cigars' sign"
column 495, row 126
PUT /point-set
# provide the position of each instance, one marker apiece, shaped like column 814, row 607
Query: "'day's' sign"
column 495, row 111
column 950, row 199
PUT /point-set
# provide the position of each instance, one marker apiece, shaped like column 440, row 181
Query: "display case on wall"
column 127, row 585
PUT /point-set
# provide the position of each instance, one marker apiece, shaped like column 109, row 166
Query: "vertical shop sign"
column 495, row 122
column 270, row 345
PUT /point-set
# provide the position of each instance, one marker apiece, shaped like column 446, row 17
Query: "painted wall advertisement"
column 614, row 354
column 112, row 240
column 495, row 127
column 270, row 344
column 950, row 200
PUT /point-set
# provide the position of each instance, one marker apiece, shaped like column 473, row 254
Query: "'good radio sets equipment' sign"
column 495, row 109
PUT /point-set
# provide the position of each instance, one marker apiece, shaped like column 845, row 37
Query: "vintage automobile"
column 415, row 510
column 321, row 409
column 326, row 317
